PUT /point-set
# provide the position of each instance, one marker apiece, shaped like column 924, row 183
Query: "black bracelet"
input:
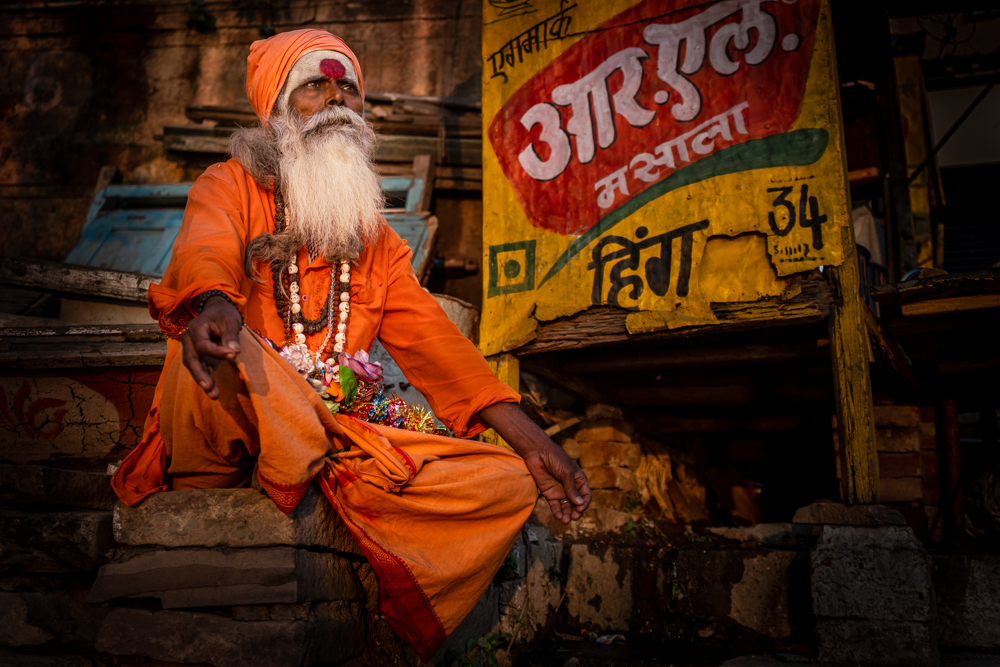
column 203, row 299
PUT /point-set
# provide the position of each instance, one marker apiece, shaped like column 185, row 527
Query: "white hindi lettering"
column 594, row 87
column 594, row 109
column 691, row 33
column 606, row 188
column 702, row 142
column 560, row 152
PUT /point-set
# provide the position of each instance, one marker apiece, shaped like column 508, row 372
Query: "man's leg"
column 266, row 414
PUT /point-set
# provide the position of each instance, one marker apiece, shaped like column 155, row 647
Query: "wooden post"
column 951, row 448
column 852, row 383
column 507, row 368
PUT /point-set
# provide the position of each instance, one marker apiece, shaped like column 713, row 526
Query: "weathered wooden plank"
column 130, row 332
column 952, row 304
column 71, row 279
column 606, row 326
column 505, row 367
column 952, row 509
column 391, row 147
column 85, row 355
column 959, row 284
column 852, row 384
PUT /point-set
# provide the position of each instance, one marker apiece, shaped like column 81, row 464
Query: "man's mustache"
column 334, row 116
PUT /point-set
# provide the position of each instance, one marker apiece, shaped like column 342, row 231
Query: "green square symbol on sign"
column 512, row 268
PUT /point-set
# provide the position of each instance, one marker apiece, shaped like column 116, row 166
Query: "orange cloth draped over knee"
column 435, row 516
column 226, row 209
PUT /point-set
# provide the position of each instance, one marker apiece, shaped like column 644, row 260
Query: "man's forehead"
column 332, row 64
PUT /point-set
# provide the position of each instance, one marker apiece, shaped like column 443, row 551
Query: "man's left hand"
column 559, row 480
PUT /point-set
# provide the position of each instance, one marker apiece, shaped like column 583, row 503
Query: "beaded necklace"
column 297, row 325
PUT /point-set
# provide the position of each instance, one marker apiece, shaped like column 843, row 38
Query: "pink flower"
column 363, row 369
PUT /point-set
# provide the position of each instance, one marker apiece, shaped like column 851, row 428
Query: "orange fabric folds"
column 271, row 59
column 435, row 516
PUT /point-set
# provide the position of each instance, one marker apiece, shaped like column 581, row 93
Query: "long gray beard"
column 331, row 190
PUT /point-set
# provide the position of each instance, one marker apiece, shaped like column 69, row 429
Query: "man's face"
column 332, row 88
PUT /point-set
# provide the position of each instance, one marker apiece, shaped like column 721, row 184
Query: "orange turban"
column 271, row 60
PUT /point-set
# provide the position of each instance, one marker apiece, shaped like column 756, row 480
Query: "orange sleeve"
column 441, row 363
column 208, row 252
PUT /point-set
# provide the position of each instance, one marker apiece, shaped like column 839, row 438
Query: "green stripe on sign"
column 791, row 149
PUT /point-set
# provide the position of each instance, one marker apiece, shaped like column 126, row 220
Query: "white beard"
column 331, row 190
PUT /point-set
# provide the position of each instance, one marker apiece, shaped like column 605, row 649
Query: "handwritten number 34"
column 812, row 222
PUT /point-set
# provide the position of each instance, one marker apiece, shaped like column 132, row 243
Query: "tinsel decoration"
column 375, row 406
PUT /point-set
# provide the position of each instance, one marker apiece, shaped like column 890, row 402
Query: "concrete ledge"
column 231, row 518
column 884, row 643
column 42, row 484
column 53, row 541
column 968, row 595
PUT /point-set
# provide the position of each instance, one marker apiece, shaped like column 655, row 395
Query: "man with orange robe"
column 434, row 515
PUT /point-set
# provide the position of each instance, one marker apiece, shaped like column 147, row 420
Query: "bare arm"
column 558, row 479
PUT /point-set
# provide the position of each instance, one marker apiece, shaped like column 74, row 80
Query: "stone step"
column 333, row 632
column 47, row 617
column 53, row 542
column 228, row 577
column 42, row 484
column 231, row 518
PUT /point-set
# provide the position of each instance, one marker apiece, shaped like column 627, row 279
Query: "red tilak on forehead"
column 332, row 68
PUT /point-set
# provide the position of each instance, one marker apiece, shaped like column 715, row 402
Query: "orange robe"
column 434, row 515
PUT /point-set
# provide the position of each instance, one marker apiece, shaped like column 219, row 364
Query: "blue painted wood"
column 130, row 237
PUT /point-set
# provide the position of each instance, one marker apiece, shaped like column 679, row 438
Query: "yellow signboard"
column 657, row 156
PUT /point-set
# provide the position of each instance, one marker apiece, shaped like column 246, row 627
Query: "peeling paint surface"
column 87, row 415
column 760, row 598
column 618, row 173
column 598, row 592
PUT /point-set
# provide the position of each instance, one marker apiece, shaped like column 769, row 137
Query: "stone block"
column 623, row 454
column 896, row 416
column 331, row 634
column 757, row 588
column 901, row 490
column 53, row 541
column 900, row 465
column 610, row 498
column 875, row 573
column 882, row 643
column 605, row 430
column 599, row 589
column 203, row 578
column 601, row 411
column 42, row 484
column 897, row 439
column 251, row 613
column 49, row 659
column 231, row 518
column 612, row 477
column 33, row 618
column 836, row 514
column 968, row 600
column 572, row 449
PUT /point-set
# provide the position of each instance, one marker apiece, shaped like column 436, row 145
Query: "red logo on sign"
column 648, row 93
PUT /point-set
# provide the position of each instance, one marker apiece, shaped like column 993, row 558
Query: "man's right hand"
column 211, row 337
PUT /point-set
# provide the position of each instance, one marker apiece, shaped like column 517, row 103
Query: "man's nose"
column 335, row 98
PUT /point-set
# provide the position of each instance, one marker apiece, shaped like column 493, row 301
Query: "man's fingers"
column 201, row 337
column 560, row 509
column 231, row 336
column 584, row 487
column 194, row 365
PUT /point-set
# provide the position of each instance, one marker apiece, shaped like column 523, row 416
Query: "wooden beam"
column 956, row 284
column 667, row 424
column 547, row 368
column 952, row 305
column 725, row 396
column 690, row 357
column 852, row 383
column 507, row 369
column 886, row 351
column 69, row 279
